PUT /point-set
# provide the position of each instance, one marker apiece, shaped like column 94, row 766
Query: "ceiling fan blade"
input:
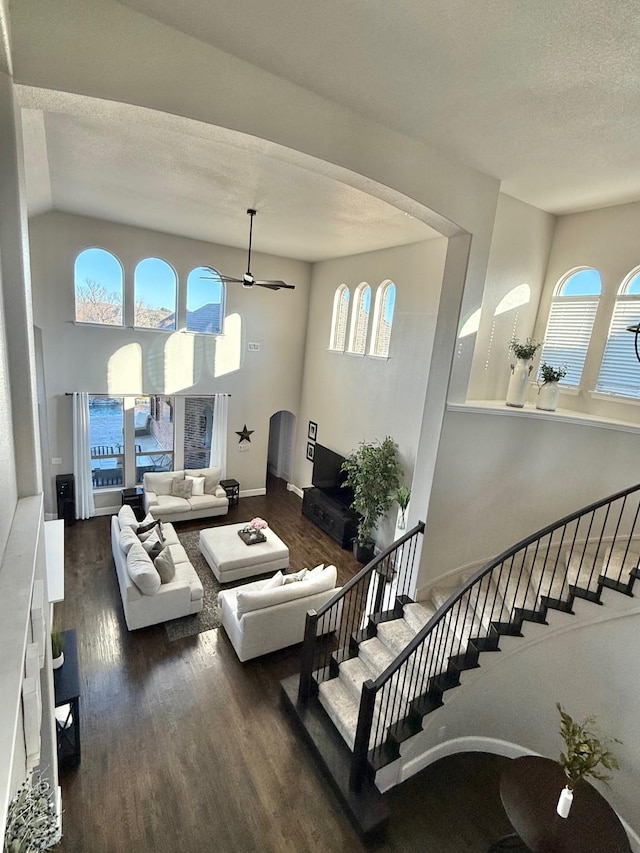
column 223, row 278
column 247, row 279
column 274, row 284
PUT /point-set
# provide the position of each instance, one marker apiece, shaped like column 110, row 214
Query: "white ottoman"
column 230, row 559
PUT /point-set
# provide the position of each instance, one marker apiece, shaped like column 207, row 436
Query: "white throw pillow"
column 257, row 599
column 160, row 481
column 146, row 521
column 165, row 566
column 294, row 577
column 128, row 537
column 312, row 574
column 273, row 582
column 197, row 486
column 127, row 517
column 211, row 478
column 142, row 571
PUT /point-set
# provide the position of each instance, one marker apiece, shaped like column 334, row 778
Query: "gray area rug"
column 209, row 616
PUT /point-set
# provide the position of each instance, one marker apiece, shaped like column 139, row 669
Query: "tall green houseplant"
column 373, row 473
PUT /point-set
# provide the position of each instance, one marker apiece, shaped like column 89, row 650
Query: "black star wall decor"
column 245, row 434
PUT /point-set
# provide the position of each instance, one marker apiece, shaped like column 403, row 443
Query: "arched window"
column 360, row 319
column 338, row 338
column 99, row 284
column 205, row 301
column 383, row 318
column 573, row 310
column 620, row 369
column 155, row 285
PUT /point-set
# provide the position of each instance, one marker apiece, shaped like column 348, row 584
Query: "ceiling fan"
column 247, row 279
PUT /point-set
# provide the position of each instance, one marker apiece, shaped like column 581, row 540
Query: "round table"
column 529, row 789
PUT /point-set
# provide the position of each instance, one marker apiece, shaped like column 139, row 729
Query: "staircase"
column 363, row 694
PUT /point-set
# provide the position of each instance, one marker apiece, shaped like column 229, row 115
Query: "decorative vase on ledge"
column 547, row 399
column 519, row 382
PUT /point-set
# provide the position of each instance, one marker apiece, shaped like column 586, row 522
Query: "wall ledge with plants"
column 568, row 416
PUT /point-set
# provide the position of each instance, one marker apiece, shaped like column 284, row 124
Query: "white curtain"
column 218, row 456
column 85, row 506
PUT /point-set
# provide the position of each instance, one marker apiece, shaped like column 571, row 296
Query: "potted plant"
column 373, row 473
column 520, row 370
column 57, row 646
column 585, row 755
column 402, row 498
column 549, row 390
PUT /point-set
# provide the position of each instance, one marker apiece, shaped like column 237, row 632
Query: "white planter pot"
column 548, row 394
column 57, row 662
column 519, row 382
column 564, row 802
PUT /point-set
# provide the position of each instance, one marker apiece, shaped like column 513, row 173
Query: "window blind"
column 620, row 369
column 568, row 335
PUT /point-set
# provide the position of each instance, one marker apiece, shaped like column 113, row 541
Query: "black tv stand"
column 334, row 518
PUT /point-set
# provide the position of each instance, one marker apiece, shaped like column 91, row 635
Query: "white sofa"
column 260, row 618
column 207, row 498
column 179, row 597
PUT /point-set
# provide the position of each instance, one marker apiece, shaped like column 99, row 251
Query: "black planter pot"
column 363, row 551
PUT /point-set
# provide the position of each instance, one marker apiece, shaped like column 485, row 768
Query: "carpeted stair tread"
column 354, row 673
column 339, row 703
column 395, row 635
column 418, row 614
column 375, row 654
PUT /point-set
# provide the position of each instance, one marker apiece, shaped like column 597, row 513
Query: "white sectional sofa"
column 204, row 498
column 180, row 596
column 263, row 616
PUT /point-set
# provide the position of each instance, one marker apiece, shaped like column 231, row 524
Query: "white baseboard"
column 291, row 487
column 252, row 493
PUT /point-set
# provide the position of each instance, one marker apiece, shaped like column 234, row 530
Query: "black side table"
column 134, row 498
column 66, row 687
column 232, row 488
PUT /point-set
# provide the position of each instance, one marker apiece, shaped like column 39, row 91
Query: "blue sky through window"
column 633, row 287
column 582, row 283
column 155, row 284
column 390, row 303
column 202, row 291
column 101, row 266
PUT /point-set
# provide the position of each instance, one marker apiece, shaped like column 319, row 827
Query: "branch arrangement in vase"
column 524, row 350
column 549, row 373
column 585, row 752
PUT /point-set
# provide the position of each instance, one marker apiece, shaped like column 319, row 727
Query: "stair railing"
column 332, row 631
column 595, row 547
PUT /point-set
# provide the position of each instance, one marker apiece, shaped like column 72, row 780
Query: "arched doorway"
column 280, row 453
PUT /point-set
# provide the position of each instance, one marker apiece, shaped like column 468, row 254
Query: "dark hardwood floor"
column 186, row 749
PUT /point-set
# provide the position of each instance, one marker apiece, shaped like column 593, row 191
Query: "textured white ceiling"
column 128, row 165
column 542, row 95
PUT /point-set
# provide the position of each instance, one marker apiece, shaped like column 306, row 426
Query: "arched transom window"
column 338, row 337
column 360, row 319
column 99, row 284
column 205, row 301
column 155, row 285
column 383, row 318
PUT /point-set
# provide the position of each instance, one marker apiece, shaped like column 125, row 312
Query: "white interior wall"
column 508, row 705
column 77, row 357
column 359, row 398
column 502, row 476
column 606, row 239
column 519, row 255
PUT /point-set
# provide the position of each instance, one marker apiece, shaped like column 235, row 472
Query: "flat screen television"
column 328, row 477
